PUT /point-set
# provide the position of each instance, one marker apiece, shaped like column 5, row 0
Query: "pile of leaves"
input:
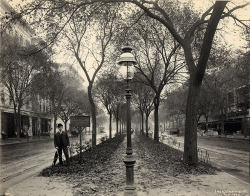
column 90, row 158
column 103, row 172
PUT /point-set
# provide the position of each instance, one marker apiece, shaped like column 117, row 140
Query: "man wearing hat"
column 61, row 142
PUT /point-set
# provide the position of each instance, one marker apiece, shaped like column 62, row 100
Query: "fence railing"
column 203, row 154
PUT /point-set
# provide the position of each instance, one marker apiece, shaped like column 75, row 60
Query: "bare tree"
column 143, row 99
column 158, row 64
column 74, row 102
column 183, row 32
column 105, row 92
column 17, row 69
column 183, row 25
column 48, row 84
column 103, row 23
column 117, row 106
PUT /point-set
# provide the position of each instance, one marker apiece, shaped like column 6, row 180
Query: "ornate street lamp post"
column 127, row 59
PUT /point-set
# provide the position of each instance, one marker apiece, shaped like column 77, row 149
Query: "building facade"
column 35, row 113
column 235, row 120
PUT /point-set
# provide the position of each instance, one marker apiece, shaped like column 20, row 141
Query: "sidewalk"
column 157, row 173
column 10, row 141
column 233, row 161
column 236, row 137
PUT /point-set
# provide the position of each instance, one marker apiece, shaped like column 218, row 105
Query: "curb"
column 229, row 138
column 25, row 142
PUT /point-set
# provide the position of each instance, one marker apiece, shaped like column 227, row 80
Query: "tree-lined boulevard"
column 134, row 67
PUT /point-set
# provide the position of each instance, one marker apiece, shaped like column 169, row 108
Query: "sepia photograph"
column 124, row 97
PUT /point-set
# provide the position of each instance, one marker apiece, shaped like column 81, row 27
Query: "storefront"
column 37, row 126
column 45, row 126
column 35, row 131
column 7, row 123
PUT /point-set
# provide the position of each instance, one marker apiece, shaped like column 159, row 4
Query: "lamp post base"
column 129, row 163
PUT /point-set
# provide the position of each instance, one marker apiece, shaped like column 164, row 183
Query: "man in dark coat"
column 61, row 142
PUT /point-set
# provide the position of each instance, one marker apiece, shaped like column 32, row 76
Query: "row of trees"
column 231, row 72
column 110, row 91
column 17, row 70
column 167, row 36
column 62, row 89
column 32, row 78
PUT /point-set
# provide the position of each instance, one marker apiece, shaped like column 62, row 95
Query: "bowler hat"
column 59, row 125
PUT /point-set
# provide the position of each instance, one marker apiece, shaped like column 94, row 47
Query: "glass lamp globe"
column 122, row 73
column 127, row 58
column 131, row 72
column 126, row 73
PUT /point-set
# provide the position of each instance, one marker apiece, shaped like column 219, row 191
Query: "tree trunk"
column 156, row 118
column 222, row 120
column 117, row 125
column 206, row 127
column 147, row 125
column 54, row 113
column 223, row 127
column 142, row 123
column 93, row 115
column 65, row 124
column 190, row 144
column 139, row 125
column 196, row 77
column 55, row 119
column 18, row 121
column 80, row 157
column 15, row 126
column 110, row 125
column 15, row 122
column 119, row 122
column 120, row 127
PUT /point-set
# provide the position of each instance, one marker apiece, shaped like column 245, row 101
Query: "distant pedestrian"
column 26, row 132
column 61, row 142
column 178, row 132
column 219, row 130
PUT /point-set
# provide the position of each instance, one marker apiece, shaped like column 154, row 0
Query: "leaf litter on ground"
column 102, row 171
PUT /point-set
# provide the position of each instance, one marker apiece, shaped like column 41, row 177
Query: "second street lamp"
column 127, row 59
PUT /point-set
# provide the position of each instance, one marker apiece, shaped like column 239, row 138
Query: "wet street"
column 20, row 161
column 231, row 155
column 23, row 160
